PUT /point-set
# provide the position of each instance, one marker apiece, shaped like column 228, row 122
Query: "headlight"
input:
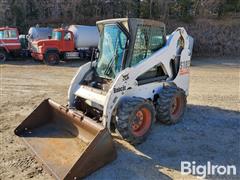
column 35, row 48
column 39, row 49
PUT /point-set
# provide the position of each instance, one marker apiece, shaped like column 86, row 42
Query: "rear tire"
column 3, row 56
column 51, row 58
column 134, row 119
column 170, row 105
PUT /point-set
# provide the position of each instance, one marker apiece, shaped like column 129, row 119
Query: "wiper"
column 106, row 72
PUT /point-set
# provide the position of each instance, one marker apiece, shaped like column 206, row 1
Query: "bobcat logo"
column 125, row 77
column 116, row 90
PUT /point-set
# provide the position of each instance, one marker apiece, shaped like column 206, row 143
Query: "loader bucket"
column 67, row 143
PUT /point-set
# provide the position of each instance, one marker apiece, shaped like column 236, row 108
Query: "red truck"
column 75, row 42
column 9, row 42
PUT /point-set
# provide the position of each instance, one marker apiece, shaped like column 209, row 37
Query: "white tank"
column 85, row 36
column 37, row 33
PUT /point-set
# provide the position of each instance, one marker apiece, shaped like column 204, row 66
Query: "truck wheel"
column 51, row 58
column 134, row 119
column 170, row 105
column 3, row 56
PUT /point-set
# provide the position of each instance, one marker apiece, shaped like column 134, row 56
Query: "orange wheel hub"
column 2, row 57
column 141, row 122
column 176, row 106
column 52, row 57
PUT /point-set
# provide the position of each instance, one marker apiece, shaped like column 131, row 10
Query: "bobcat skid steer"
column 138, row 75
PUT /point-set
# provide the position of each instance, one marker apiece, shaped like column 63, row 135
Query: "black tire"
column 129, row 125
column 3, row 56
column 171, row 104
column 51, row 58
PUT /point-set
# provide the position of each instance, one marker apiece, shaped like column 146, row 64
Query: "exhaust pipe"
column 69, row 144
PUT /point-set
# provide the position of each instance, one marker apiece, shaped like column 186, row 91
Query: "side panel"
column 76, row 81
column 182, row 78
column 10, row 44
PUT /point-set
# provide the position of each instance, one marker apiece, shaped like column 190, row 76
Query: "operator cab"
column 60, row 34
column 64, row 38
column 126, row 42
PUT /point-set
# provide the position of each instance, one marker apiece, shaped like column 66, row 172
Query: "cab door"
column 68, row 41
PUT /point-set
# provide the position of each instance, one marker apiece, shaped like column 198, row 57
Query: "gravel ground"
column 209, row 131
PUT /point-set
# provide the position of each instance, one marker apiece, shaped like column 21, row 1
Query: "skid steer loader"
column 138, row 76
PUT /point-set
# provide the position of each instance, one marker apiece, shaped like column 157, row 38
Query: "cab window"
column 12, row 33
column 148, row 40
column 8, row 34
column 1, row 34
column 67, row 36
column 56, row 35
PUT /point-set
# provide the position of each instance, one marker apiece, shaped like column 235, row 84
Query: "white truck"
column 74, row 42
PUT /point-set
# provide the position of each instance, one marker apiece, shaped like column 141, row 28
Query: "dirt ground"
column 209, row 131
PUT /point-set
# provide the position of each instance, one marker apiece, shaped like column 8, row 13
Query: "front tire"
column 134, row 119
column 51, row 58
column 171, row 105
column 3, row 56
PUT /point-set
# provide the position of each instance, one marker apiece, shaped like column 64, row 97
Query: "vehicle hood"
column 45, row 41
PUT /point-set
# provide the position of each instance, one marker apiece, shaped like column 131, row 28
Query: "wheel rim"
column 2, row 57
column 176, row 107
column 52, row 58
column 141, row 122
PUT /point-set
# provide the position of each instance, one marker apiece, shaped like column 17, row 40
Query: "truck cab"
column 52, row 49
column 9, row 42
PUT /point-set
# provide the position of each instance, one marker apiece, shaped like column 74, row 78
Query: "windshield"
column 56, row 35
column 112, row 46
